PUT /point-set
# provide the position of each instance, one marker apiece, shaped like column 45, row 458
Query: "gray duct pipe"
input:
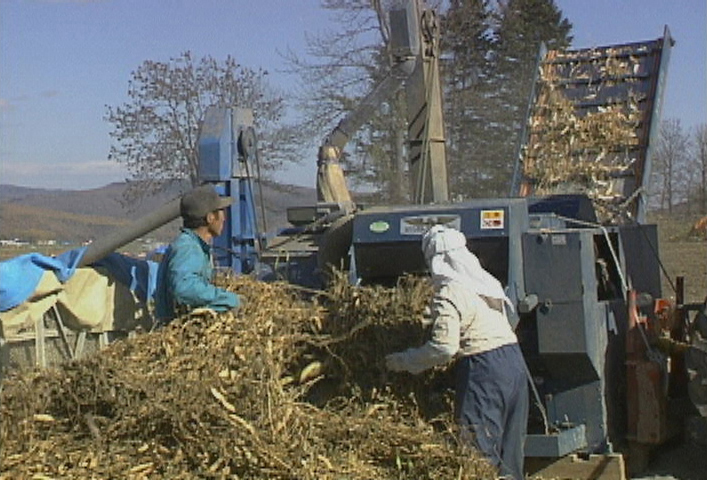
column 350, row 124
column 106, row 245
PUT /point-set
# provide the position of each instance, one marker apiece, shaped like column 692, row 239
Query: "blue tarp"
column 19, row 276
column 139, row 275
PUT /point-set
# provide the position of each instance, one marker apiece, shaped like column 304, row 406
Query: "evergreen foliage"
column 490, row 48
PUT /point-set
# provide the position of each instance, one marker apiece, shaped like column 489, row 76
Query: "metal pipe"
column 350, row 124
column 106, row 245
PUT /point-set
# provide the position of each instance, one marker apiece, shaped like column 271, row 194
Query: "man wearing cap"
column 184, row 278
column 470, row 324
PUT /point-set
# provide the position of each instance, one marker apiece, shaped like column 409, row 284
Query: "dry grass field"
column 682, row 254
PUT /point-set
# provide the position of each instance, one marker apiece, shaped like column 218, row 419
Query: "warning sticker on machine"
column 492, row 220
column 420, row 224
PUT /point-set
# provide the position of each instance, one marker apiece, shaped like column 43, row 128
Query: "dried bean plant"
column 589, row 150
column 286, row 388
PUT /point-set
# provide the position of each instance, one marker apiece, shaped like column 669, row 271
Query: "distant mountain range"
column 80, row 215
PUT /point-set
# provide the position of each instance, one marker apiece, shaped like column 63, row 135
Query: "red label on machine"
column 492, row 219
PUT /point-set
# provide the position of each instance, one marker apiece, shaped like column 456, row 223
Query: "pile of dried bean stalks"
column 588, row 150
column 292, row 386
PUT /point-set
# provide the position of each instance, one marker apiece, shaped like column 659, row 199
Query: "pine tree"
column 467, row 43
column 524, row 25
column 492, row 50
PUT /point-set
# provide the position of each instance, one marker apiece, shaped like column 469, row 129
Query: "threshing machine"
column 574, row 253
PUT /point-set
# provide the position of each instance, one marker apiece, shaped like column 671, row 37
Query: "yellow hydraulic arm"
column 415, row 48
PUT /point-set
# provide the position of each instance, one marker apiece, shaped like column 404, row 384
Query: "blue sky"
column 63, row 61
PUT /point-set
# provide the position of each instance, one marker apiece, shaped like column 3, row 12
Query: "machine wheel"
column 334, row 246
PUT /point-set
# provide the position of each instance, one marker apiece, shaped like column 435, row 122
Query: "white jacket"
column 463, row 324
column 468, row 309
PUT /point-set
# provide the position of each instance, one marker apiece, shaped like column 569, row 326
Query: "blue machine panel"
column 377, row 226
column 556, row 445
column 552, row 266
column 216, row 145
column 219, row 163
column 560, row 269
column 566, row 343
column 386, row 241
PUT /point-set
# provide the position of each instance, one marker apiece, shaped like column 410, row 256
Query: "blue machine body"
column 386, row 241
column 567, row 275
column 226, row 157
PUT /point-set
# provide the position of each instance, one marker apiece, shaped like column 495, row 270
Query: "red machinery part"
column 645, row 380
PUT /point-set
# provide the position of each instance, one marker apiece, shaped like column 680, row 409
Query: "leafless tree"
column 671, row 162
column 156, row 132
column 341, row 66
column 700, row 153
column 481, row 83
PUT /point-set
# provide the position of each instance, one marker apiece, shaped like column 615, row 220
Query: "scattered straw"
column 284, row 389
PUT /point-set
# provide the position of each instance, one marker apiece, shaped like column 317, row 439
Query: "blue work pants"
column 492, row 406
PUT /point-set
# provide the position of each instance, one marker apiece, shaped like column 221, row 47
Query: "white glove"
column 427, row 319
column 396, row 362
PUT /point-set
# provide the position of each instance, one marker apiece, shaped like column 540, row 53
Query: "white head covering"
column 449, row 260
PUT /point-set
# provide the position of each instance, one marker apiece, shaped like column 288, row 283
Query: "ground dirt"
column 682, row 459
column 682, row 254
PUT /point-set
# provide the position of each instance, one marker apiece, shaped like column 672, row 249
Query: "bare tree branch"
column 155, row 133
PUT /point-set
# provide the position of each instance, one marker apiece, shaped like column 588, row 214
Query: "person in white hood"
column 470, row 325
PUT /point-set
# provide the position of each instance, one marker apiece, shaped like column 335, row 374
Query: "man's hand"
column 203, row 312
column 395, row 362
column 427, row 319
